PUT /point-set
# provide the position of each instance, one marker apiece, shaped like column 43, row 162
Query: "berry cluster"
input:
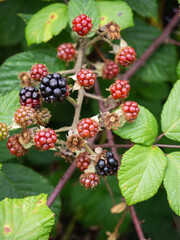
column 29, row 96
column 110, row 70
column 66, row 52
column 15, row 147
column 82, row 161
column 54, row 88
column 38, row 71
column 89, row 180
column 126, row 56
column 45, row 139
column 82, row 25
column 131, row 110
column 87, row 128
column 120, row 89
column 3, row 131
column 86, row 78
column 107, row 165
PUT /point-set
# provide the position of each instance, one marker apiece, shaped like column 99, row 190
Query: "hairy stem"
column 94, row 40
column 93, row 96
column 152, row 48
column 78, row 108
column 67, row 72
column 88, row 149
column 63, row 129
column 72, row 101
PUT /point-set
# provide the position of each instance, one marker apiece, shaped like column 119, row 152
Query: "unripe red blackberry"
column 66, row 52
column 87, row 128
column 120, row 89
column 3, row 131
column 89, row 180
column 130, row 110
column 86, row 78
column 126, row 56
column 110, row 70
column 43, row 116
column 29, row 96
column 82, row 25
column 54, row 88
column 15, row 147
column 82, row 161
column 25, row 116
column 45, row 139
column 38, row 71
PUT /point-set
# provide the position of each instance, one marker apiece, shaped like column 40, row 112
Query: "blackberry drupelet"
column 107, row 165
column 54, row 88
column 29, row 96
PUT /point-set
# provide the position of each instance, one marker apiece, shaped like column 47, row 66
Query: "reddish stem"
column 61, row 184
column 159, row 137
column 168, row 146
column 137, row 223
column 107, row 145
column 152, row 48
column 172, row 41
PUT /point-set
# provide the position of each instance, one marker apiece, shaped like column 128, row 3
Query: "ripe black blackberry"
column 54, row 88
column 107, row 165
column 29, row 96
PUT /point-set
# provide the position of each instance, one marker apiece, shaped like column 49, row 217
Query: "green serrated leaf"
column 117, row 11
column 17, row 181
column 143, row 130
column 141, row 173
column 23, row 62
column 172, row 181
column 0, row 167
column 88, row 7
column 46, row 23
column 145, row 8
column 25, row 17
column 140, row 37
column 170, row 117
column 8, row 105
column 27, row 218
